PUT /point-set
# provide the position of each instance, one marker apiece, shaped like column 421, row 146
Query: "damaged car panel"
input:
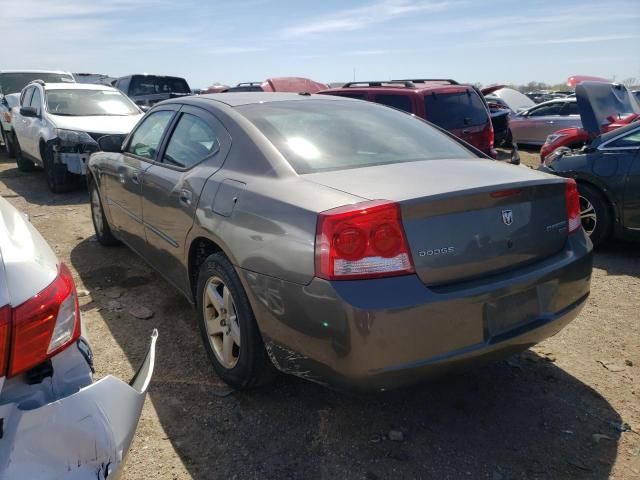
column 58, row 126
column 603, row 107
column 54, row 421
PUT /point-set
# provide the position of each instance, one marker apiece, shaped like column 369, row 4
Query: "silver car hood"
column 27, row 263
column 597, row 101
column 515, row 100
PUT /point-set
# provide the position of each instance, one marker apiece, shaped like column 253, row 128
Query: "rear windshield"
column 15, row 82
column 455, row 110
column 153, row 85
column 85, row 103
column 319, row 135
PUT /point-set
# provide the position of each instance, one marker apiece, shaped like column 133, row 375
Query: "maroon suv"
column 456, row 108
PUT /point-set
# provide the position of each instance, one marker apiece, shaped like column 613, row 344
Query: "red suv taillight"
column 365, row 240
column 573, row 205
column 43, row 325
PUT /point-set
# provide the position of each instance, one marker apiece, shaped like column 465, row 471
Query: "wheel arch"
column 200, row 248
column 606, row 194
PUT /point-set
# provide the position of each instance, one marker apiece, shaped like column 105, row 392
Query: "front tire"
column 229, row 330
column 59, row 179
column 8, row 144
column 595, row 214
column 99, row 219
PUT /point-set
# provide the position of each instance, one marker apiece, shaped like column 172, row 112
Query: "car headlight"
column 555, row 155
column 74, row 141
column 554, row 136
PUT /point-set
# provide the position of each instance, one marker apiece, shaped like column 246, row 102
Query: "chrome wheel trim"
column 221, row 322
column 588, row 215
column 96, row 212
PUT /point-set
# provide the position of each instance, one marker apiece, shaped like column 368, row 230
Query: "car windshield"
column 87, row 103
column 456, row 110
column 15, row 82
column 318, row 135
column 154, row 85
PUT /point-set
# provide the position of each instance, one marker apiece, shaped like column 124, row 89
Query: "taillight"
column 573, row 205
column 5, row 335
column 365, row 240
column 491, row 137
column 45, row 324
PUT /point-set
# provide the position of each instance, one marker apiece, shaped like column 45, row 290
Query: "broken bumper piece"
column 83, row 436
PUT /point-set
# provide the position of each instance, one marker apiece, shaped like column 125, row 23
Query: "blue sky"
column 231, row 41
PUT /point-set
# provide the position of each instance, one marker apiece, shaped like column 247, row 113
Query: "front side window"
column 570, row 108
column 192, row 141
column 628, row 141
column 146, row 139
column 89, row 103
column 401, row 102
column 36, row 101
column 544, row 110
column 25, row 99
column 318, row 135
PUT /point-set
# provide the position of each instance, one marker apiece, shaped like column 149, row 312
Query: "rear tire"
column 8, row 144
column 24, row 165
column 59, row 179
column 228, row 327
column 595, row 214
column 99, row 219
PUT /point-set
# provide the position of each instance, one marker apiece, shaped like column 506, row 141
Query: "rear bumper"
column 85, row 435
column 387, row 333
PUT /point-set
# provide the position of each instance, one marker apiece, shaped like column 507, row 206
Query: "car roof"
column 235, row 99
column 77, row 86
column 397, row 86
column 34, row 71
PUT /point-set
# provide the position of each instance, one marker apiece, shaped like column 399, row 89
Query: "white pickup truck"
column 58, row 125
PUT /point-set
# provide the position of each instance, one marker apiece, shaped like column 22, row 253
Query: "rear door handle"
column 186, row 196
column 550, row 121
column 135, row 179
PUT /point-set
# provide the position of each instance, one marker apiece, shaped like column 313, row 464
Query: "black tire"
column 595, row 213
column 253, row 365
column 24, row 165
column 59, row 179
column 99, row 219
column 508, row 139
column 8, row 144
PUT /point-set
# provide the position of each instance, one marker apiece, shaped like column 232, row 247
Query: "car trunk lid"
column 601, row 104
column 466, row 218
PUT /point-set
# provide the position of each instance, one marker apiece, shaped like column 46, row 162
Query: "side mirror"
column 29, row 112
column 111, row 143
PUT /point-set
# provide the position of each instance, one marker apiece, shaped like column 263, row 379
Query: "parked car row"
column 286, row 219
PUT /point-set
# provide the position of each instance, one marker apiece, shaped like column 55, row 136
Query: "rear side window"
column 401, row 102
column 544, row 110
column 318, row 135
column 191, row 142
column 570, row 108
column 455, row 110
column 357, row 96
column 146, row 138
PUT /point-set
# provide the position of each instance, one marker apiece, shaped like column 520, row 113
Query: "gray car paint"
column 533, row 130
column 263, row 215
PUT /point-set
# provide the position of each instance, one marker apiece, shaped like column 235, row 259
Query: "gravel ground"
column 556, row 411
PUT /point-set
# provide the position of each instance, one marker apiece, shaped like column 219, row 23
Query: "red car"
column 280, row 84
column 457, row 108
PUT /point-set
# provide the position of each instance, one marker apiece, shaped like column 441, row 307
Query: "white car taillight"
column 45, row 324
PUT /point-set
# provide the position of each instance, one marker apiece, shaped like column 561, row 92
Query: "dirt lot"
column 557, row 411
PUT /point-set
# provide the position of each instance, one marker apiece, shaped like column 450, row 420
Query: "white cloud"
column 361, row 17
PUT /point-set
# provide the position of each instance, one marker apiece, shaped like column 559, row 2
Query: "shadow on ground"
column 525, row 418
column 618, row 257
column 32, row 186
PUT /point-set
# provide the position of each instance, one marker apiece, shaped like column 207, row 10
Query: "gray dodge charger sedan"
column 340, row 240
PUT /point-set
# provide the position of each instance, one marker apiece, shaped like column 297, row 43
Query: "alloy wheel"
column 221, row 322
column 588, row 215
column 96, row 211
